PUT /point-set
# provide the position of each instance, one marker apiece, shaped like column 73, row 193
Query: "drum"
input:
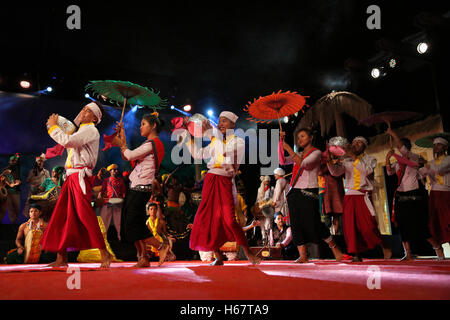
column 115, row 200
column 47, row 195
column 268, row 211
column 65, row 125
column 196, row 198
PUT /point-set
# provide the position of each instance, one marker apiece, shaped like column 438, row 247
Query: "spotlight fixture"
column 87, row 95
column 422, row 47
column 210, row 112
column 392, row 63
column 172, row 107
column 286, row 119
column 25, row 84
column 375, row 73
column 49, row 89
column 187, row 108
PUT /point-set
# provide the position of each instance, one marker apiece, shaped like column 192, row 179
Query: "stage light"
column 375, row 73
column 172, row 107
column 210, row 113
column 187, row 108
column 25, row 84
column 87, row 95
column 134, row 109
column 49, row 89
column 286, row 119
column 422, row 47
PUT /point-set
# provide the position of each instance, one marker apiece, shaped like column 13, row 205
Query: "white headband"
column 95, row 110
column 362, row 139
column 441, row 141
column 279, row 172
column 229, row 115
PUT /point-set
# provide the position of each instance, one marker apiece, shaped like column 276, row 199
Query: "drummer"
column 27, row 241
column 113, row 193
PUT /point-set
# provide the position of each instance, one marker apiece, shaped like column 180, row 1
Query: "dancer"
column 74, row 223
column 302, row 197
column 113, row 193
column 410, row 202
column 438, row 171
column 215, row 222
column 148, row 158
column 359, row 224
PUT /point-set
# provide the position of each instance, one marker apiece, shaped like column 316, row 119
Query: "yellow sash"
column 153, row 226
column 356, row 173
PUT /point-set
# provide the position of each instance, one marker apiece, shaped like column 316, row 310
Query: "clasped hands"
column 119, row 139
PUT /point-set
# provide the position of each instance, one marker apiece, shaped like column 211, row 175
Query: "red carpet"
column 271, row 280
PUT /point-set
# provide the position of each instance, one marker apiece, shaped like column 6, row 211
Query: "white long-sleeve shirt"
column 281, row 187
column 409, row 181
column 224, row 157
column 439, row 173
column 358, row 177
column 144, row 171
column 311, row 165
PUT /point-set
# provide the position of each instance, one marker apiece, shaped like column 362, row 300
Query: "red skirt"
column 360, row 227
column 73, row 225
column 439, row 215
column 215, row 222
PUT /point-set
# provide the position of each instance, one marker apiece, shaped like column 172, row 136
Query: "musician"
column 148, row 157
column 27, row 240
column 74, row 223
column 11, row 178
column 281, row 237
column 360, row 226
column 410, row 201
column 215, row 222
column 302, row 197
column 279, row 194
column 158, row 227
column 35, row 178
column 113, row 192
column 438, row 172
column 56, row 180
column 265, row 191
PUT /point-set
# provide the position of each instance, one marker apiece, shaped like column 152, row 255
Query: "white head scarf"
column 279, row 171
column 362, row 139
column 229, row 115
column 441, row 141
column 95, row 109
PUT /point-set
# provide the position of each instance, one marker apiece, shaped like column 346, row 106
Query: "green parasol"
column 125, row 92
column 427, row 141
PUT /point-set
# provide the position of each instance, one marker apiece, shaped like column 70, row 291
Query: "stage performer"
column 359, row 224
column 35, row 178
column 74, row 225
column 410, row 212
column 279, row 194
column 438, row 171
column 148, row 157
column 27, row 240
column 303, row 198
column 10, row 176
column 215, row 222
column 113, row 193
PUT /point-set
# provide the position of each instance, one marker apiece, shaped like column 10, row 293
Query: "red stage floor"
column 195, row 280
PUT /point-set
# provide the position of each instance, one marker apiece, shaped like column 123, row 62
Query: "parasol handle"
column 390, row 137
column 123, row 109
column 279, row 121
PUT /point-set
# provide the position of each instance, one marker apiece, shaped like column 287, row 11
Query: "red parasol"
column 275, row 106
column 388, row 117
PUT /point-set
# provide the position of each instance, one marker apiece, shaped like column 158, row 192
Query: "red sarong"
column 360, row 227
column 215, row 222
column 73, row 224
column 439, row 215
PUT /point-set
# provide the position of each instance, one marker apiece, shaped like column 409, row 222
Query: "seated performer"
column 157, row 226
column 27, row 240
column 74, row 223
column 438, row 171
column 410, row 211
column 215, row 222
column 359, row 224
column 281, row 237
column 113, row 193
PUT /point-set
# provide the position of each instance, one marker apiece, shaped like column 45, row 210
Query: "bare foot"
column 58, row 264
column 301, row 260
column 106, row 261
column 387, row 253
column 407, row 257
column 216, row 262
column 254, row 259
column 357, row 259
column 440, row 254
column 337, row 254
column 142, row 263
column 163, row 253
